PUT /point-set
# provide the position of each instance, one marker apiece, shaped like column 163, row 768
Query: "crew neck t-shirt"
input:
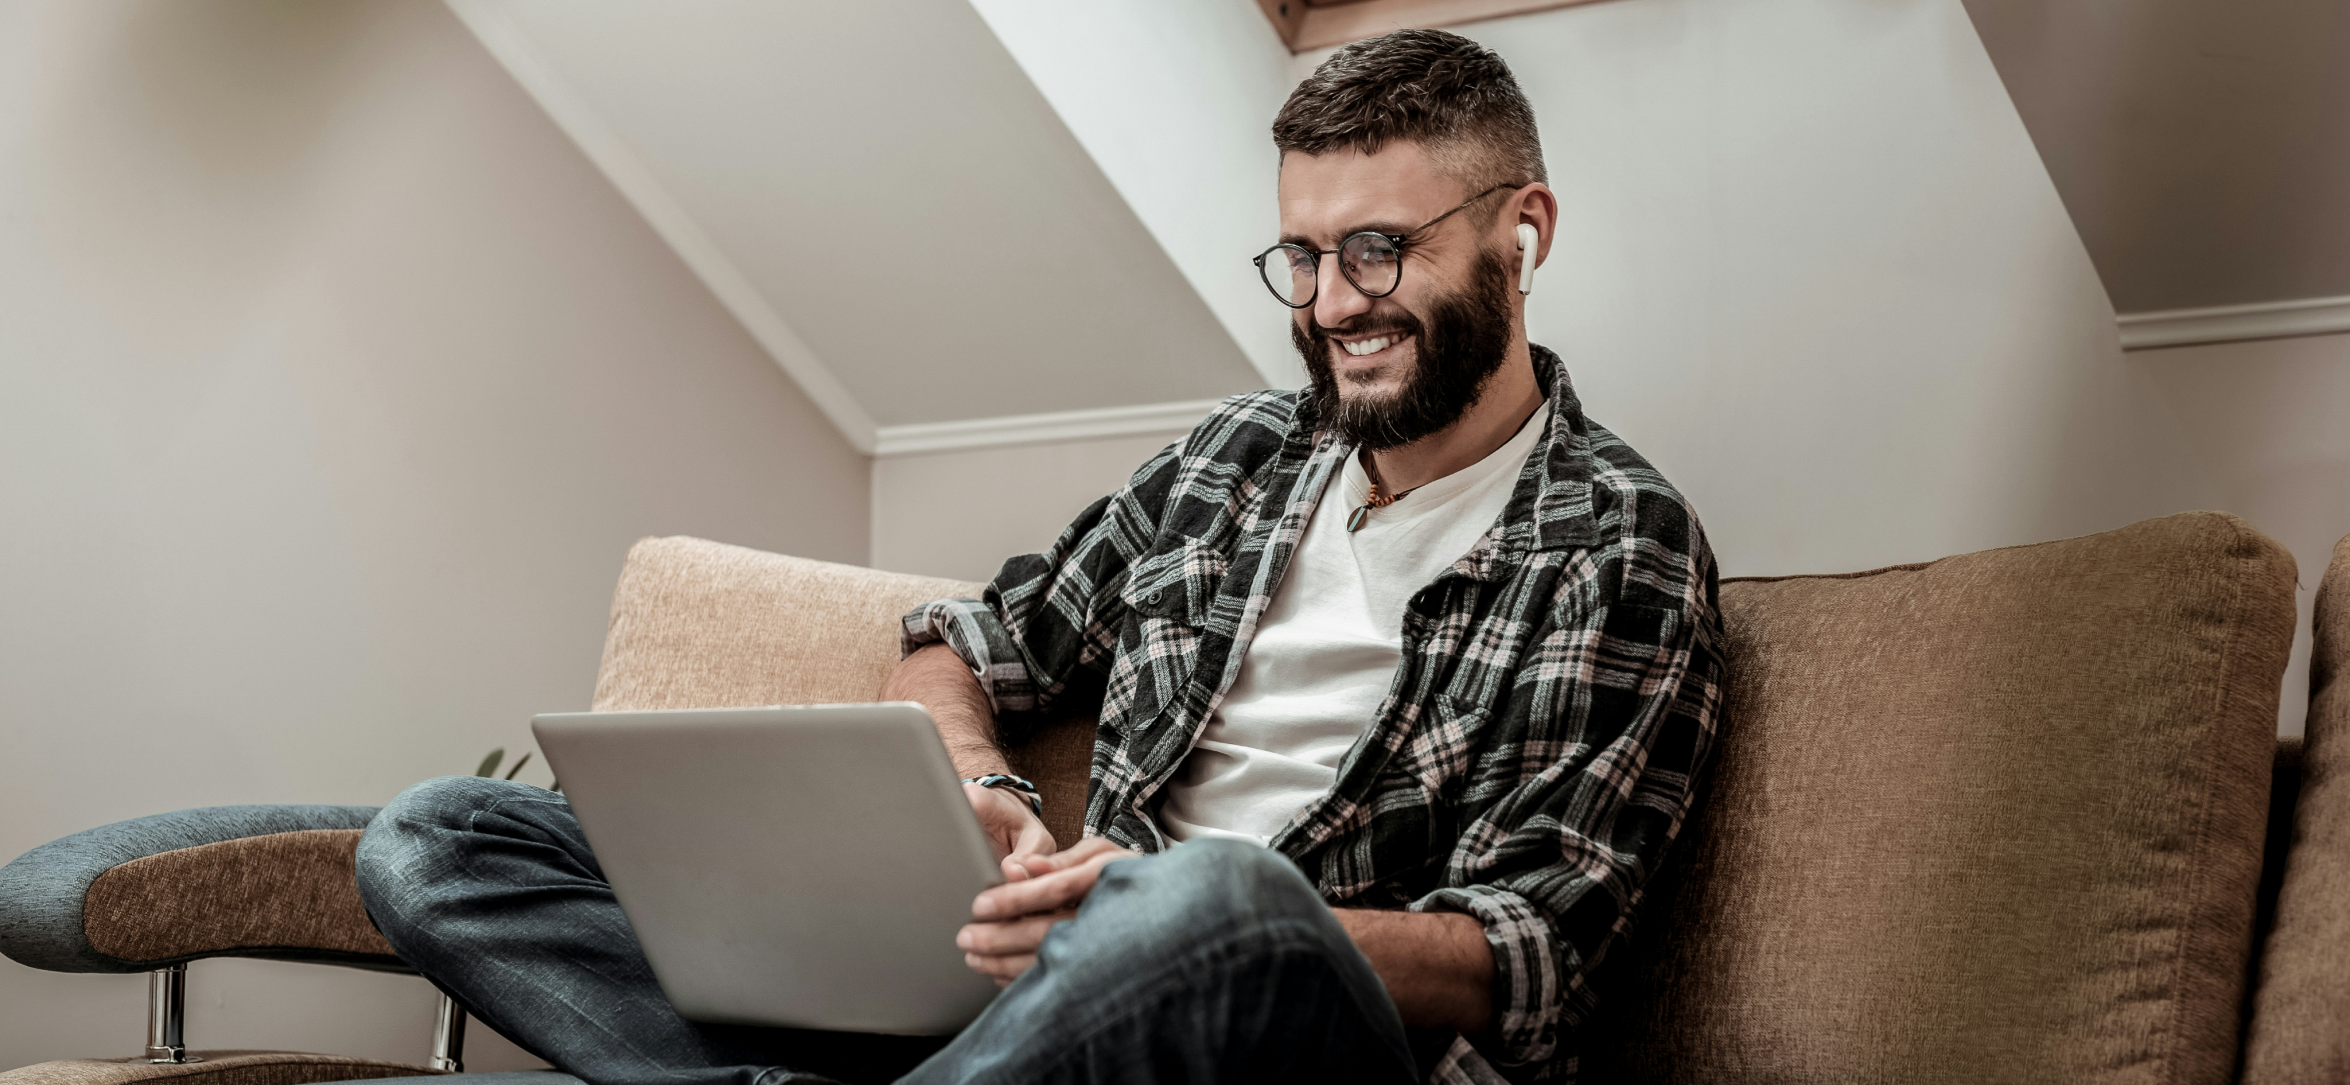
column 1326, row 649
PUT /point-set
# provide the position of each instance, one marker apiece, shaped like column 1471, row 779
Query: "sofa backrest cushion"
column 2300, row 1028
column 1996, row 817
column 698, row 624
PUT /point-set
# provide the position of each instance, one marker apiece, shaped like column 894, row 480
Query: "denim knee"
column 410, row 843
column 1228, row 891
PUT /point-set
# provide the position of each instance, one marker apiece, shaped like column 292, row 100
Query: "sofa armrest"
column 233, row 1068
column 222, row 881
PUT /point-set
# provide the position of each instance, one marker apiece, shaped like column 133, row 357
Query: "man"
column 1405, row 682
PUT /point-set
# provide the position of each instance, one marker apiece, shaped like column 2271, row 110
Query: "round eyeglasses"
column 1371, row 260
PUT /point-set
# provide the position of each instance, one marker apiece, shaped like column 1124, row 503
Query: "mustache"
column 1398, row 324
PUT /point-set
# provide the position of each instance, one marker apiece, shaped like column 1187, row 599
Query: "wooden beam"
column 1320, row 26
column 1285, row 15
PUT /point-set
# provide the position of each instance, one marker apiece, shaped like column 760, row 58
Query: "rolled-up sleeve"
column 974, row 631
column 1041, row 639
column 1555, row 868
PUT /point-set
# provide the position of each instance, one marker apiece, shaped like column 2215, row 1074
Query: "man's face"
column 1388, row 371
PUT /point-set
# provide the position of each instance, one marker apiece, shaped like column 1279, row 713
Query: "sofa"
column 2016, row 815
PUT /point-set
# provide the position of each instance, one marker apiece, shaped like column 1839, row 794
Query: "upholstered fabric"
column 276, row 889
column 218, row 1068
column 1059, row 759
column 247, row 881
column 2284, row 793
column 1992, row 818
column 698, row 624
column 2300, row 1028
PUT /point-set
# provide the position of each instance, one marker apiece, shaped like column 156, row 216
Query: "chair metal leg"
column 167, row 1014
column 448, row 1037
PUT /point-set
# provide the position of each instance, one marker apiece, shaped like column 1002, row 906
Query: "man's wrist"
column 1005, row 781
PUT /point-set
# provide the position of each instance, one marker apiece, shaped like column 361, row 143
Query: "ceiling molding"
column 2234, row 323
column 1029, row 429
column 512, row 48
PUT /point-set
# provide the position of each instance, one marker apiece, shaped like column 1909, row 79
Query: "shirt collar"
column 1551, row 508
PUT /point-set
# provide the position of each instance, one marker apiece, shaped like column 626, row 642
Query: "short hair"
column 1449, row 94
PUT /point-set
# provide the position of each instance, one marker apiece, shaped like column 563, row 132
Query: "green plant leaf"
column 489, row 765
column 519, row 762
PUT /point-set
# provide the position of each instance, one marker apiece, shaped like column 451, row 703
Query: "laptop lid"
column 804, row 866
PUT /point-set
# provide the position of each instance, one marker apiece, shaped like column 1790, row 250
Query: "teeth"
column 1367, row 346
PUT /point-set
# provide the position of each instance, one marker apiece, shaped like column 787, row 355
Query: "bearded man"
column 1405, row 683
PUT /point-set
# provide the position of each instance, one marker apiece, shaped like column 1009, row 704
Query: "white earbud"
column 1528, row 240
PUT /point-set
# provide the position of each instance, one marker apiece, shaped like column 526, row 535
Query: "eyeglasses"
column 1371, row 260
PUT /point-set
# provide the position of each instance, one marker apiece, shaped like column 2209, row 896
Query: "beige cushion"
column 698, row 624
column 1992, row 818
column 2301, row 1012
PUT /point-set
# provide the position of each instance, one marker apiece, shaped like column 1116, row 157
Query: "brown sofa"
column 1999, row 817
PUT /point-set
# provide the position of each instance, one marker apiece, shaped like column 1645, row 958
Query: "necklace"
column 1372, row 500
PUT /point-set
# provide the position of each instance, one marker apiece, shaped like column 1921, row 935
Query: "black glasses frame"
column 1398, row 241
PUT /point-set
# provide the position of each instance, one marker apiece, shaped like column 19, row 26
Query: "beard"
column 1460, row 344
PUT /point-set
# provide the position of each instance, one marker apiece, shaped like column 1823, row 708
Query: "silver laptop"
column 804, row 866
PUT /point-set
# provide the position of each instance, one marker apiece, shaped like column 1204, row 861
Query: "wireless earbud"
column 1529, row 239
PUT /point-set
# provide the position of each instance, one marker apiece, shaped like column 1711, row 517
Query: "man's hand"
column 1010, row 921
column 1011, row 824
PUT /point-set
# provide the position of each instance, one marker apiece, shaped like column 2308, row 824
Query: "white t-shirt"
column 1326, row 649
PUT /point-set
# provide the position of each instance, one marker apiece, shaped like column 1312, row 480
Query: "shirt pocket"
column 1169, row 596
column 1176, row 584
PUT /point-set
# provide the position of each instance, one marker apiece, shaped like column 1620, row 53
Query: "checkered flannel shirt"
column 1539, row 745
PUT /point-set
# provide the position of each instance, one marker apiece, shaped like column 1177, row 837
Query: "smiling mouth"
column 1363, row 348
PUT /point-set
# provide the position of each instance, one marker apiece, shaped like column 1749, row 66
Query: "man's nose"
column 1337, row 301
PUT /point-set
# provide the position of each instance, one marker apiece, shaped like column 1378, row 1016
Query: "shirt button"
column 1154, row 598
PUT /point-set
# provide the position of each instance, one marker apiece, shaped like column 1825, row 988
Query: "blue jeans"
column 1214, row 961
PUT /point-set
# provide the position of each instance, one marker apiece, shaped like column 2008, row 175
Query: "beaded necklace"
column 1372, row 500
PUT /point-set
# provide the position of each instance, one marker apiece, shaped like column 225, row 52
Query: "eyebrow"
column 1389, row 227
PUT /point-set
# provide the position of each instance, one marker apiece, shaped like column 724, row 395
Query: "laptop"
column 805, row 866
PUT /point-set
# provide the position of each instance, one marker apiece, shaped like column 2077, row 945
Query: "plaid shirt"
column 1537, row 750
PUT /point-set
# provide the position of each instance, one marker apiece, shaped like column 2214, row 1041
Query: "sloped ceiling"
column 883, row 197
column 2201, row 146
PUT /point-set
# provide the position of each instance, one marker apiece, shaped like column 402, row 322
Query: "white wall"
column 333, row 385
column 2272, row 422
column 1813, row 267
column 960, row 514
column 1175, row 102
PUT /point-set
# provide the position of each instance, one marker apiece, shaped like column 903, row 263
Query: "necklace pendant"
column 1354, row 522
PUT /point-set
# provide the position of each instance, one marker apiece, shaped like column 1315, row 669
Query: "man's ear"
column 1538, row 209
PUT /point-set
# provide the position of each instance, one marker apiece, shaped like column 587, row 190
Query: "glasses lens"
column 1371, row 262
column 1289, row 273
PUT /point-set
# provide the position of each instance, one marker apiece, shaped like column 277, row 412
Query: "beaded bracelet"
column 1010, row 782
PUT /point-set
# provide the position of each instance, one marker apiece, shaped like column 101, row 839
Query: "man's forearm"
column 937, row 679
column 1437, row 965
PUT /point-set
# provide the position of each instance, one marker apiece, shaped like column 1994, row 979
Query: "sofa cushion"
column 2300, row 1028
column 1991, row 818
column 698, row 624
